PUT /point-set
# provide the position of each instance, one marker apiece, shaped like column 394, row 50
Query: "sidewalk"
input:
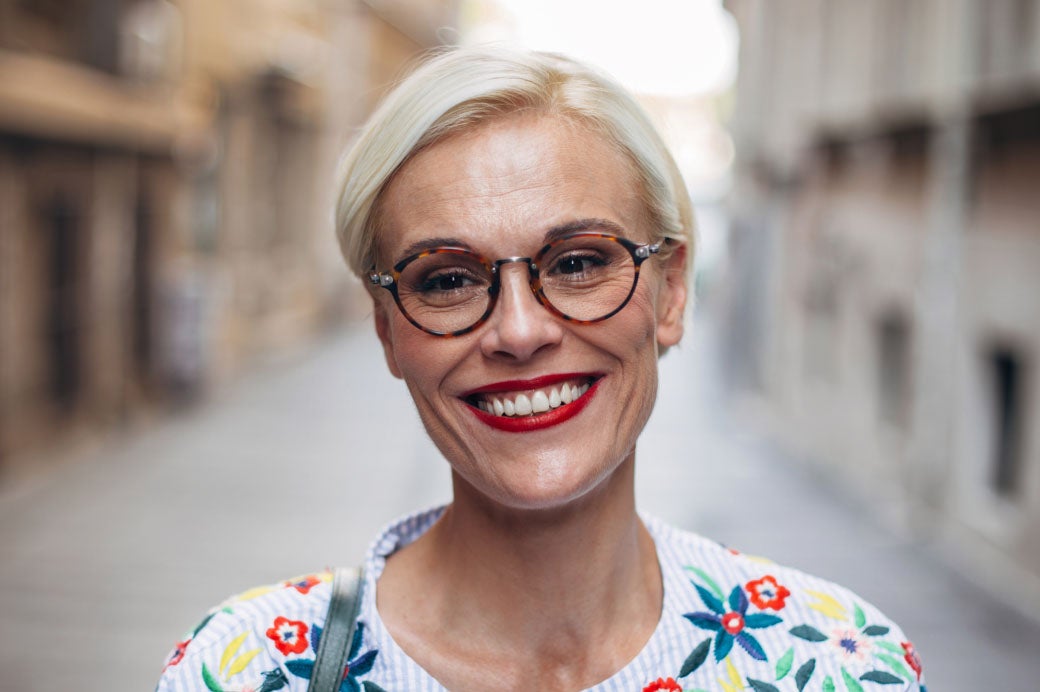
column 107, row 560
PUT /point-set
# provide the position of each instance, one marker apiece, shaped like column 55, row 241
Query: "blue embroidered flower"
column 731, row 624
column 357, row 665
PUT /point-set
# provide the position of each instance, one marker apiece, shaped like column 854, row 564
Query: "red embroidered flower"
column 767, row 593
column 289, row 636
column 304, row 584
column 912, row 659
column 667, row 685
column 177, row 654
column 733, row 623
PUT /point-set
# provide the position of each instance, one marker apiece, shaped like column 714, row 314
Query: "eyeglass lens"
column 586, row 278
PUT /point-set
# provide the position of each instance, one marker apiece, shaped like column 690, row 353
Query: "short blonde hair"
column 461, row 88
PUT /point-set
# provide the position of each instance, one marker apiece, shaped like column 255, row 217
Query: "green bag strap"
column 338, row 633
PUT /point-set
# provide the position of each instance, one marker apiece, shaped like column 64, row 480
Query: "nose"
column 519, row 328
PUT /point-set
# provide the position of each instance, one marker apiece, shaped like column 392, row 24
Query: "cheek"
column 640, row 317
column 422, row 360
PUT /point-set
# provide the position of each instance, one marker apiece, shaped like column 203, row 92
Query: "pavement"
column 110, row 555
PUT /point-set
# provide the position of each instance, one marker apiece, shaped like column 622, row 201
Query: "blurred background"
column 191, row 401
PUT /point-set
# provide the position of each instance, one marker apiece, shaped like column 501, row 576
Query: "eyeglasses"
column 582, row 277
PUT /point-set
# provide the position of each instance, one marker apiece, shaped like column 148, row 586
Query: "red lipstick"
column 538, row 421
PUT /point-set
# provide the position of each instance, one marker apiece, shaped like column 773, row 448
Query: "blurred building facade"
column 886, row 246
column 165, row 187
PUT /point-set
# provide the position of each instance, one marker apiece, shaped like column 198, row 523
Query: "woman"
column 526, row 237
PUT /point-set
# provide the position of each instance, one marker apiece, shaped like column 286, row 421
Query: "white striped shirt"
column 728, row 622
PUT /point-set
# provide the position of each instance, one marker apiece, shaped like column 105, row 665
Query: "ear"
column 383, row 331
column 671, row 301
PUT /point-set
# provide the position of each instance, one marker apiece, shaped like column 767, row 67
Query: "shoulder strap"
column 338, row 632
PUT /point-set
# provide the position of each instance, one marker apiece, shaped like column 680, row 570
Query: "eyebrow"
column 554, row 233
column 557, row 232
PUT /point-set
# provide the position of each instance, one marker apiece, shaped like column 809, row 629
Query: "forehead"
column 500, row 187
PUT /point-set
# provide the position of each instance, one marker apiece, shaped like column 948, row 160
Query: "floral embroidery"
column 912, row 659
column 729, row 624
column 179, row 649
column 289, row 636
column 853, row 646
column 766, row 593
column 357, row 665
column 304, row 584
column 269, row 682
column 668, row 685
column 232, row 663
column 862, row 653
column 861, row 643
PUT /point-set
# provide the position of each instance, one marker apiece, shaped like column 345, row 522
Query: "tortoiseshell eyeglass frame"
column 388, row 279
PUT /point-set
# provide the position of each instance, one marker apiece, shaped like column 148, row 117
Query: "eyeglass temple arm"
column 644, row 251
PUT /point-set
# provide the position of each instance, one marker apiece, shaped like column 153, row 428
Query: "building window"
column 1006, row 398
column 893, row 349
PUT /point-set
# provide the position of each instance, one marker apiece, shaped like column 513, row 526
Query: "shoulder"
column 763, row 621
column 254, row 640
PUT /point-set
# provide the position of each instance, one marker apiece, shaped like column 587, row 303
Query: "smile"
column 522, row 406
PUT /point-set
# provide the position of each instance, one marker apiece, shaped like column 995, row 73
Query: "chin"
column 547, row 487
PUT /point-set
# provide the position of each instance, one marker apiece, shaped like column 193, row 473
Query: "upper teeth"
column 538, row 401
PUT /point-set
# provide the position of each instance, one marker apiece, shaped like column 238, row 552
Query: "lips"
column 526, row 405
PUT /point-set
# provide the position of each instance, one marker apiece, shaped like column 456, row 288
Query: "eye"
column 577, row 263
column 446, row 280
column 572, row 265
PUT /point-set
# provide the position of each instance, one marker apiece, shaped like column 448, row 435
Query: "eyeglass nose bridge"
column 532, row 274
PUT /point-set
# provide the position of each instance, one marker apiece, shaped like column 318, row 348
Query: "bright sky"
column 659, row 47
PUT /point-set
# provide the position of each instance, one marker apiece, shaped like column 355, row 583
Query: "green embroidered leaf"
column 273, row 680
column 783, row 666
column 205, row 621
column 894, row 648
column 850, row 682
column 696, row 658
column 759, row 686
column 372, row 687
column 708, row 580
column 875, row 631
column 809, row 633
column 211, row 682
column 895, row 664
column 861, row 619
column 881, row 677
column 804, row 674
column 828, row 684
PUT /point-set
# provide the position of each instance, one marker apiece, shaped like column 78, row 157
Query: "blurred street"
column 113, row 555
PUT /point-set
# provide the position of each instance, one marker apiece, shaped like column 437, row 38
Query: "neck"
column 544, row 554
column 577, row 589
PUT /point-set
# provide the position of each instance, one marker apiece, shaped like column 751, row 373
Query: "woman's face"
column 498, row 190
